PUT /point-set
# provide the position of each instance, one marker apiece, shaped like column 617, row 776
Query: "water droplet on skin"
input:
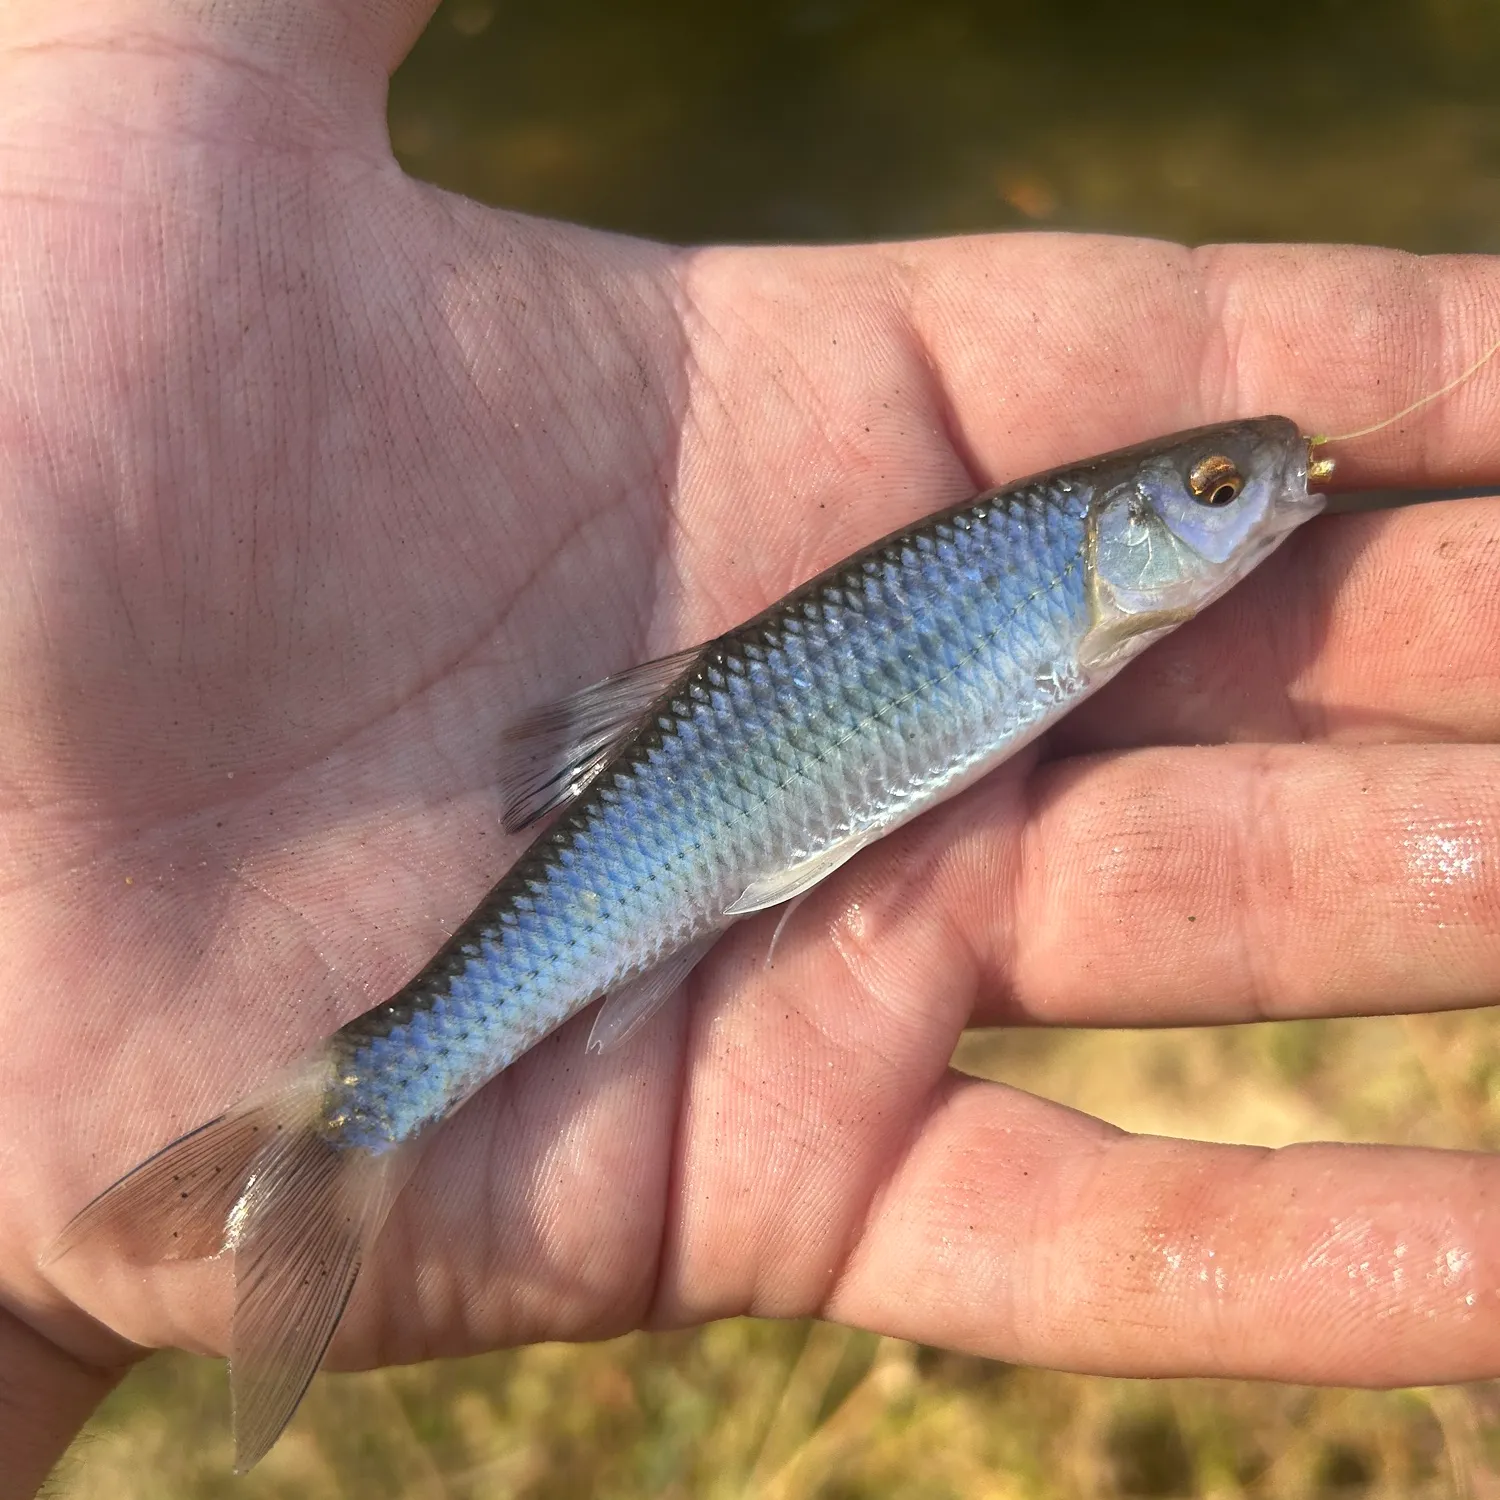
column 1445, row 853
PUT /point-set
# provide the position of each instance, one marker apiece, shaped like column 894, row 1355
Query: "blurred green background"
column 1368, row 120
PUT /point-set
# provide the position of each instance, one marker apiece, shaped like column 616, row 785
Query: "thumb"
column 332, row 57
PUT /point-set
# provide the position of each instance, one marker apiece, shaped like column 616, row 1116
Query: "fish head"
column 1174, row 524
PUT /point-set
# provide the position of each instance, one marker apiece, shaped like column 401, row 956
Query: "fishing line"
column 1417, row 405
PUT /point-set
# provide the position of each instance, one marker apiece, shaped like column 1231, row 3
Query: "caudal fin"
column 299, row 1212
column 299, row 1232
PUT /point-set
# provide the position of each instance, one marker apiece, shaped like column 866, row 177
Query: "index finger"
column 1148, row 336
column 1369, row 627
column 836, row 394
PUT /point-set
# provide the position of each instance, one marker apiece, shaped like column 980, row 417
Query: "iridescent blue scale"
column 781, row 748
column 853, row 703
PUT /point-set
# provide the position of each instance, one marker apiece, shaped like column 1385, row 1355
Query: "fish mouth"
column 1298, row 501
column 1319, row 469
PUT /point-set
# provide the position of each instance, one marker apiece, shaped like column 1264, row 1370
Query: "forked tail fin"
column 298, row 1210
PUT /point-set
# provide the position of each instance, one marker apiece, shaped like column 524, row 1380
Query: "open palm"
column 313, row 477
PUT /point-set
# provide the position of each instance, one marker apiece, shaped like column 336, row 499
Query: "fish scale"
column 856, row 699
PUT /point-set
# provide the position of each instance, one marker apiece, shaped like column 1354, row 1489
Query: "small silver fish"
column 695, row 790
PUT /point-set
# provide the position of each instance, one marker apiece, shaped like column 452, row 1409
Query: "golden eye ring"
column 1215, row 480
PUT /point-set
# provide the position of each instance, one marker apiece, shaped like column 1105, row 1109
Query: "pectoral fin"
column 1123, row 634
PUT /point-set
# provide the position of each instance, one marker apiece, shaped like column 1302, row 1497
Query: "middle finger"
column 1185, row 886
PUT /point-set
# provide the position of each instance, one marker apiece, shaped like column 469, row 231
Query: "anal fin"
column 629, row 1006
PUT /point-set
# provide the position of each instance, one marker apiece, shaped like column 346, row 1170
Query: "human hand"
column 314, row 477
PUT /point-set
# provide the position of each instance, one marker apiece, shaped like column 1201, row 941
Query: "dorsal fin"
column 552, row 754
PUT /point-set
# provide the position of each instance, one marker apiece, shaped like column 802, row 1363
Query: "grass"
column 783, row 1411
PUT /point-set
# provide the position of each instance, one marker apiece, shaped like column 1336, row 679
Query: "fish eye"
column 1215, row 480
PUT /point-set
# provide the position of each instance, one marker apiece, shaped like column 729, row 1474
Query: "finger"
column 1186, row 886
column 1180, row 887
column 334, row 35
column 836, row 394
column 1335, row 337
column 305, row 61
column 1352, row 338
column 1155, row 887
column 1017, row 1229
column 827, row 1161
column 1366, row 627
column 45, row 1397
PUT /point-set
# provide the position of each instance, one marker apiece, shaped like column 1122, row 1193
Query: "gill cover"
column 1173, row 528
